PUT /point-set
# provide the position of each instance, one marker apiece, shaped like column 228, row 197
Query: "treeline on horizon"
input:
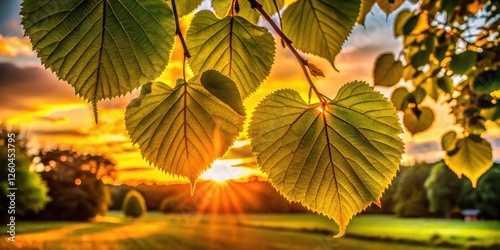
column 421, row 190
column 71, row 186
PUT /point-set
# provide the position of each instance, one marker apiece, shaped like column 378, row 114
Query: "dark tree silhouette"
column 76, row 183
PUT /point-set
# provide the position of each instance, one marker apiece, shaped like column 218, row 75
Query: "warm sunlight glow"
column 220, row 178
column 223, row 170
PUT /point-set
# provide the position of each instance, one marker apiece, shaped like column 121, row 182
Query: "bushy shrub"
column 134, row 205
column 167, row 205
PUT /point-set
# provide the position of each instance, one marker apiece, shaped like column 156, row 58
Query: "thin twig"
column 303, row 62
column 181, row 38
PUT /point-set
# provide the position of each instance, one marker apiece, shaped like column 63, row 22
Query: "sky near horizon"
column 34, row 100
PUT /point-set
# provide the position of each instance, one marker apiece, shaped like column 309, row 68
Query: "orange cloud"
column 14, row 46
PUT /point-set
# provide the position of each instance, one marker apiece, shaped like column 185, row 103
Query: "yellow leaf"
column 328, row 156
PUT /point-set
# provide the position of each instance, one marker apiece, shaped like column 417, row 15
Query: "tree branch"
column 303, row 62
column 181, row 38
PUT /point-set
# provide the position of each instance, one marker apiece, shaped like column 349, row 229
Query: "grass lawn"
column 255, row 232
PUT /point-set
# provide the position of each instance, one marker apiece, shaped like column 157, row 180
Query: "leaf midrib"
column 101, row 49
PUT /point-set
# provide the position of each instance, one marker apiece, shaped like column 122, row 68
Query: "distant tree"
column 486, row 197
column 31, row 193
column 442, row 188
column 134, row 205
column 411, row 199
column 76, row 184
column 118, row 194
column 170, row 204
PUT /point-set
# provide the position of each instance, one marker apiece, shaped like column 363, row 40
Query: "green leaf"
column 449, row 141
column 185, row 7
column 232, row 46
column 400, row 22
column 418, row 95
column 400, row 98
column 410, row 25
column 223, row 88
column 475, row 125
column 492, row 113
column 389, row 6
column 446, row 84
column 440, row 52
column 366, row 7
column 409, row 72
column 418, row 120
column 487, row 82
column 335, row 158
column 387, row 70
column 431, row 88
column 421, row 58
column 430, row 44
column 102, row 48
column 221, row 7
column 184, row 129
column 320, row 27
column 472, row 157
column 463, row 62
column 252, row 15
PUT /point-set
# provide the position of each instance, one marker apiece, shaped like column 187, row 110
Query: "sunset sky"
column 33, row 99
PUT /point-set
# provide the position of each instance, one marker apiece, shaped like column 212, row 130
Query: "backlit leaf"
column 182, row 130
column 463, row 62
column 221, row 7
column 400, row 98
column 320, row 27
column 431, row 88
column 420, row 58
column 223, row 88
column 418, row 95
column 449, row 141
column 328, row 156
column 472, row 158
column 185, row 7
column 417, row 120
column 102, row 48
column 487, row 82
column 233, row 46
column 387, row 70
column 446, row 84
column 388, row 7
column 400, row 22
column 252, row 15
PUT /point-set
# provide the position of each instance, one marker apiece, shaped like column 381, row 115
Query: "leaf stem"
column 181, row 38
column 303, row 62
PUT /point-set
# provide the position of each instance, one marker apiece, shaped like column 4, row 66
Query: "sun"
column 221, row 178
column 223, row 170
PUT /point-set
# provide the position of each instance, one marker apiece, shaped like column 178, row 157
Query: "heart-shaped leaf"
column 90, row 45
column 232, row 46
column 328, row 156
column 471, row 157
column 418, row 120
column 320, row 27
column 387, row 70
column 463, row 62
column 400, row 98
column 182, row 130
